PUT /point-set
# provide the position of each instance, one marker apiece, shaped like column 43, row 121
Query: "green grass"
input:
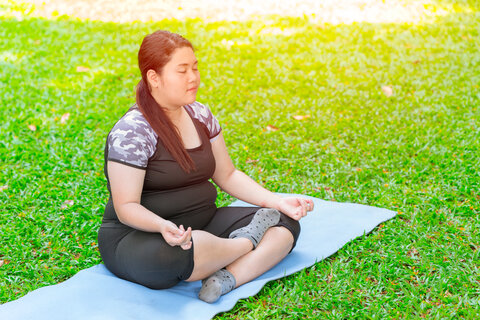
column 416, row 152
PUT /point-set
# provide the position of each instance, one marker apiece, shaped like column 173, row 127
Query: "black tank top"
column 168, row 191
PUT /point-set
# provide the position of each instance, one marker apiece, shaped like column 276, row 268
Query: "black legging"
column 145, row 257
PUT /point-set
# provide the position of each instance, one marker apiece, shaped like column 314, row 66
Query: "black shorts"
column 145, row 257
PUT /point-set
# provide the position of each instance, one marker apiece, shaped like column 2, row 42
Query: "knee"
column 148, row 260
column 290, row 226
column 282, row 235
column 161, row 273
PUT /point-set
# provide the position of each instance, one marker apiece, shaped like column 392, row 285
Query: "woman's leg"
column 276, row 243
column 274, row 246
column 211, row 253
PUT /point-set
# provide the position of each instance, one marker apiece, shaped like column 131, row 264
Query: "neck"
column 174, row 112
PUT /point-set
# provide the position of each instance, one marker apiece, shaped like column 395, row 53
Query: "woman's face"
column 178, row 83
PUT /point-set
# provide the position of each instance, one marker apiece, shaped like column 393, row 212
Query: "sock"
column 219, row 283
column 254, row 231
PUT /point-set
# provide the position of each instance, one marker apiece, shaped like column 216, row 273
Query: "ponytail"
column 163, row 126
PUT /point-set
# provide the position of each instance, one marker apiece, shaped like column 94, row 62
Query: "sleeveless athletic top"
column 183, row 198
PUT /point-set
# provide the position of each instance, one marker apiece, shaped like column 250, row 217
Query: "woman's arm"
column 126, row 184
column 241, row 186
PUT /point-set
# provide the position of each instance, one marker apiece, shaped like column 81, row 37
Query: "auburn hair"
column 155, row 52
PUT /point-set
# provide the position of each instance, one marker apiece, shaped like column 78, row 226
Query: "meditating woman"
column 161, row 224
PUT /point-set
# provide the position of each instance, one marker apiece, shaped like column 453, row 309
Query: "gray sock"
column 254, row 231
column 219, row 283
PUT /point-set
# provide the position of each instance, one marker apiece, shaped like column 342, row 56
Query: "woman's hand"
column 176, row 236
column 295, row 208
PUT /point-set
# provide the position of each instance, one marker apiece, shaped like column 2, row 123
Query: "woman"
column 161, row 224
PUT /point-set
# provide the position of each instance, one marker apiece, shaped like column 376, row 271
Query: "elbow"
column 120, row 215
column 225, row 179
column 121, row 211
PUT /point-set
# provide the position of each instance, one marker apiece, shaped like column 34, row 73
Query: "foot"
column 254, row 231
column 219, row 283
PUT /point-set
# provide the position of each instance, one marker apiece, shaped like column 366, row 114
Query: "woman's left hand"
column 295, row 208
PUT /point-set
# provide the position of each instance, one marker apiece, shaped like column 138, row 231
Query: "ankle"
column 245, row 243
column 220, row 283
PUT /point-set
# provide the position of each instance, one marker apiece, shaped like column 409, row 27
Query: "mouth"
column 193, row 89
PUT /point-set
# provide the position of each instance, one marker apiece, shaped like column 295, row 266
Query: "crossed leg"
column 274, row 246
column 212, row 253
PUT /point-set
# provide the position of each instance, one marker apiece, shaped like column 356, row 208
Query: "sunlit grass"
column 303, row 111
column 317, row 11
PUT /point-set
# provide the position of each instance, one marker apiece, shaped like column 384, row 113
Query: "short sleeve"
column 204, row 115
column 132, row 141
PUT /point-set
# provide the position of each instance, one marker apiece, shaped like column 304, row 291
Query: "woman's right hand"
column 176, row 236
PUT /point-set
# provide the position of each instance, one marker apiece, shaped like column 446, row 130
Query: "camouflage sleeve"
column 204, row 115
column 132, row 141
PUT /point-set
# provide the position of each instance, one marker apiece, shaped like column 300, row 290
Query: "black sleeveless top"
column 168, row 191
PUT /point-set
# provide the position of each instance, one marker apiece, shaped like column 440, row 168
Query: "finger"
column 309, row 206
column 188, row 239
column 184, row 238
column 177, row 232
column 186, row 246
column 188, row 235
column 298, row 214
column 304, row 207
column 312, row 205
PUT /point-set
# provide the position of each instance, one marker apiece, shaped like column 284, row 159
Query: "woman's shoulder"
column 134, row 122
column 132, row 139
column 133, row 118
column 203, row 114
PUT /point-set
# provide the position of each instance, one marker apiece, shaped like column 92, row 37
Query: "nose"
column 192, row 75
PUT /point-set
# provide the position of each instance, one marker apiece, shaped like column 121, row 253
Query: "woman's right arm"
column 126, row 185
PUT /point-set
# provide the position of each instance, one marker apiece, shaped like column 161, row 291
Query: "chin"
column 191, row 100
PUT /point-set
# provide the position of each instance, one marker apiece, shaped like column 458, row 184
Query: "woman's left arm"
column 241, row 186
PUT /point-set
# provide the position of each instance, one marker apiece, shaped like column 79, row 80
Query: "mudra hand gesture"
column 294, row 207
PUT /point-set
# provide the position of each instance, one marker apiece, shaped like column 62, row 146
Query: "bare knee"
column 281, row 235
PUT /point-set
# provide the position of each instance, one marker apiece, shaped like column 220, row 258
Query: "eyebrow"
column 187, row 64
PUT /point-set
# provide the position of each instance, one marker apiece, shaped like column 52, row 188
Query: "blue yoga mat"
column 95, row 293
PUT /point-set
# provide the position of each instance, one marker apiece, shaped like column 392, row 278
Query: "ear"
column 153, row 78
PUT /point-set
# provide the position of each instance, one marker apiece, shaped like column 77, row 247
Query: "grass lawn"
column 391, row 119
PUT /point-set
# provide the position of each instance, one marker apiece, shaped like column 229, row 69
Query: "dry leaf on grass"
column 412, row 252
column 32, row 127
column 387, row 90
column 66, row 203
column 82, row 69
column 4, row 262
column 300, row 117
column 3, row 187
column 64, row 117
column 271, row 128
